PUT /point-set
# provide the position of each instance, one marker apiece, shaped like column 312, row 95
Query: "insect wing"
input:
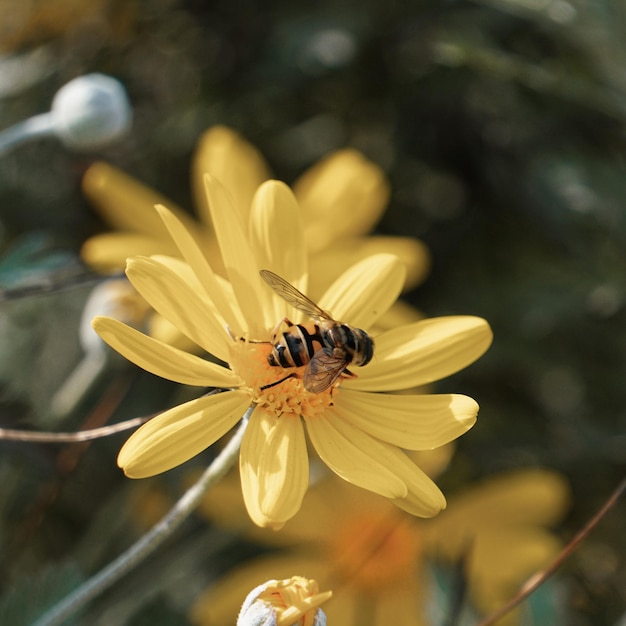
column 323, row 370
column 293, row 296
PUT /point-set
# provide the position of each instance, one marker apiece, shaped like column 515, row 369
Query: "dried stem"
column 151, row 540
column 539, row 578
column 10, row 434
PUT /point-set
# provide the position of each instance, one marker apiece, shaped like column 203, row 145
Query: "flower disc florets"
column 277, row 390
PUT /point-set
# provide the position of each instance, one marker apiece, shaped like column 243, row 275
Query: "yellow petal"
column 207, row 280
column 415, row 422
column 399, row 314
column 224, row 290
column 254, row 440
column 330, row 262
column 342, row 195
column 424, row 499
column 108, row 252
column 423, row 352
column 161, row 359
column 355, row 456
column 277, row 238
column 163, row 330
column 127, row 204
column 283, row 470
column 365, row 291
column 404, row 604
column 434, row 462
column 177, row 435
column 173, row 298
column 374, row 465
column 239, row 260
column 502, row 559
column 533, row 497
column 237, row 164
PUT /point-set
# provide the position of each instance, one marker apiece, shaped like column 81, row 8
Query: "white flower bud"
column 90, row 112
column 115, row 297
column 292, row 602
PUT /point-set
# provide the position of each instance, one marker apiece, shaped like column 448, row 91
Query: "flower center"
column 376, row 550
column 278, row 390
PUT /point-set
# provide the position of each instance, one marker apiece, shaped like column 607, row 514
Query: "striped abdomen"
column 296, row 346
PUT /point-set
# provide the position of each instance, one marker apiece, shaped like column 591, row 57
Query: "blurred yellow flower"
column 341, row 198
column 375, row 557
column 292, row 602
column 355, row 427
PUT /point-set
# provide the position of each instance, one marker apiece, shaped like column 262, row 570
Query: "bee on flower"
column 355, row 425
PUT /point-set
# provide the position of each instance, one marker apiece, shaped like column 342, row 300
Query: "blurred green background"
column 501, row 125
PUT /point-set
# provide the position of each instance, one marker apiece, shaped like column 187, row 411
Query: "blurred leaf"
column 31, row 596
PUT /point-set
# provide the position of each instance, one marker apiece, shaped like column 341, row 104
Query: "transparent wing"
column 323, row 370
column 293, row 296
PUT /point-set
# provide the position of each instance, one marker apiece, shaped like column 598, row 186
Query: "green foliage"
column 29, row 597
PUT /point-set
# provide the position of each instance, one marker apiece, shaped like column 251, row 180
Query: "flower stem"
column 91, row 588
column 37, row 126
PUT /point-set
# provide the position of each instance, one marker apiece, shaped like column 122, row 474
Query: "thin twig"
column 93, row 587
column 47, row 285
column 9, row 434
column 540, row 577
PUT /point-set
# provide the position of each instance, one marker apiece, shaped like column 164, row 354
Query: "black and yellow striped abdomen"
column 296, row 346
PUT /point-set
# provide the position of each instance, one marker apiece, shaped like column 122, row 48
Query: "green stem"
column 151, row 540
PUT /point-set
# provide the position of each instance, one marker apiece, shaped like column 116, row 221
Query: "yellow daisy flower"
column 354, row 425
column 341, row 199
column 375, row 557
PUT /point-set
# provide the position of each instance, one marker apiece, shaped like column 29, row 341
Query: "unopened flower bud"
column 90, row 112
column 292, row 602
column 115, row 297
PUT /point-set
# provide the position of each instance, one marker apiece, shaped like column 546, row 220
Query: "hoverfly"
column 325, row 346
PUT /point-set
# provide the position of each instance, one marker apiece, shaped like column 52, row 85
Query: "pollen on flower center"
column 278, row 390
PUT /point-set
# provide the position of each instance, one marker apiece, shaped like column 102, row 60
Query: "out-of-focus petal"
column 237, row 164
column 342, row 195
column 365, row 291
column 330, row 262
column 423, row 352
column 127, row 204
column 161, row 359
column 108, row 252
column 502, row 559
column 177, row 435
column 532, row 497
column 415, row 422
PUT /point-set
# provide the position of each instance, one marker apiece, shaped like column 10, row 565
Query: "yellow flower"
column 341, row 199
column 375, row 557
column 292, row 602
column 355, row 426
